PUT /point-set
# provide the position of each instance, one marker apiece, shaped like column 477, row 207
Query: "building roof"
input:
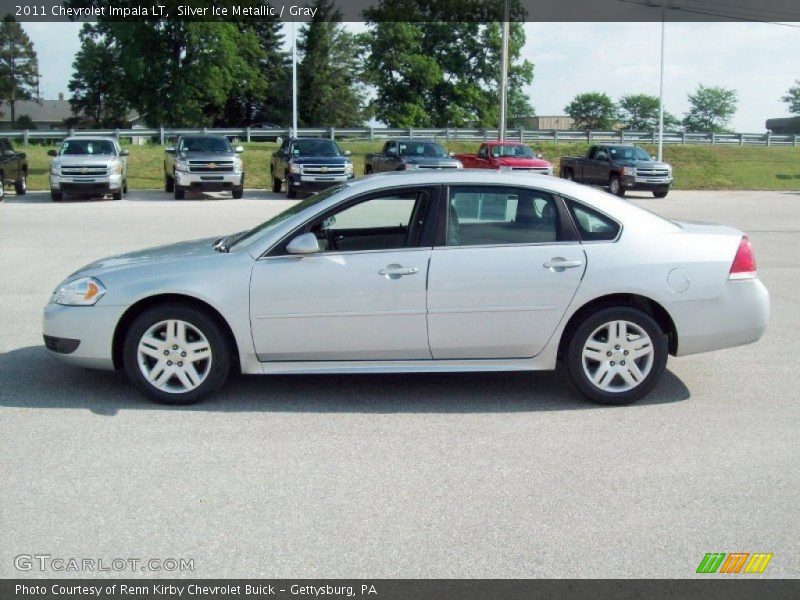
column 44, row 111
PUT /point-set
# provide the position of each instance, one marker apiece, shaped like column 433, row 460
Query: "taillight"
column 744, row 263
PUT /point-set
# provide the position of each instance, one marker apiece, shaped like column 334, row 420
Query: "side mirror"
column 8, row 152
column 451, row 154
column 347, row 152
column 124, row 153
column 170, row 150
column 238, row 149
column 279, row 140
column 306, row 243
column 539, row 155
column 52, row 152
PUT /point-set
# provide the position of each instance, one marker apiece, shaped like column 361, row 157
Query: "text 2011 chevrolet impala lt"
column 420, row 271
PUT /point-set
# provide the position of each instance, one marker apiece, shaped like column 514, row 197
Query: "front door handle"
column 397, row 271
column 559, row 264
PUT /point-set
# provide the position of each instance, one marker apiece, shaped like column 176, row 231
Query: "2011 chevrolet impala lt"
column 420, row 271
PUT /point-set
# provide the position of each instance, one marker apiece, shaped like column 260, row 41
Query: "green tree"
column 711, row 109
column 639, row 112
column 19, row 67
column 792, row 98
column 98, row 81
column 429, row 72
column 593, row 110
column 24, row 122
column 328, row 72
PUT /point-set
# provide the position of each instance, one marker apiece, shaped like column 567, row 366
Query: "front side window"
column 485, row 215
column 389, row 221
column 592, row 226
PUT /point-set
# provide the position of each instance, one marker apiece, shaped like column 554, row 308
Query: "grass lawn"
column 695, row 167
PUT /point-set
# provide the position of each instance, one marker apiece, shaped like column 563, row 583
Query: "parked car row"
column 98, row 166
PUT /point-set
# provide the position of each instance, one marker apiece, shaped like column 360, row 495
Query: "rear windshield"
column 205, row 144
column 87, row 147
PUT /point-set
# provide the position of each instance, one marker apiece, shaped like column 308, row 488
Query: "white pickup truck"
column 88, row 166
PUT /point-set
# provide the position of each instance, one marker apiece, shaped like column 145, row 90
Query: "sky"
column 759, row 60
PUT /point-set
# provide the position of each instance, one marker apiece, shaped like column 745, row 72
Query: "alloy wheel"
column 617, row 356
column 174, row 356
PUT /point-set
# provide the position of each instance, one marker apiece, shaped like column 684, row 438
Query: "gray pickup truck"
column 13, row 168
column 408, row 154
column 205, row 163
column 620, row 168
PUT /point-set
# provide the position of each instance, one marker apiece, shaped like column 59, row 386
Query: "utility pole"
column 661, row 86
column 504, row 72
column 294, row 80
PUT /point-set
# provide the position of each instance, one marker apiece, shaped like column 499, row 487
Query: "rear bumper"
column 738, row 316
column 208, row 181
column 81, row 335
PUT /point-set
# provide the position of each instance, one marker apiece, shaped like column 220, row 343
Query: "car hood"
column 523, row 162
column 83, row 159
column 191, row 249
column 650, row 164
column 430, row 161
column 320, row 160
column 209, row 156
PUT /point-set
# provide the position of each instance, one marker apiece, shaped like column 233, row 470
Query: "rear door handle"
column 559, row 264
column 396, row 271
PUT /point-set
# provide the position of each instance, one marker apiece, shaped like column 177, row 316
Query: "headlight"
column 84, row 291
column 295, row 168
column 348, row 168
column 116, row 168
column 629, row 171
column 55, row 169
column 181, row 165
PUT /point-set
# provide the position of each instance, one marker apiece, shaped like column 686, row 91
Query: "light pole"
column 294, row 81
column 504, row 72
column 661, row 86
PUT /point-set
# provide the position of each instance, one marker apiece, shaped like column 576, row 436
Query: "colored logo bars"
column 720, row 562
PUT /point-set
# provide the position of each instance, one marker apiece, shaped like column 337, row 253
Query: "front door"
column 362, row 297
column 507, row 272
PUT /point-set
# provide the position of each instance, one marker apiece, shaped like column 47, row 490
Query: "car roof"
column 202, row 135
column 408, row 139
column 90, row 138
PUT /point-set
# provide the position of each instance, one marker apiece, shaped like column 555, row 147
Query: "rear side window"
column 592, row 226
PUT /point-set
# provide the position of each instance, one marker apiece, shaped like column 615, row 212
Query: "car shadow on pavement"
column 29, row 378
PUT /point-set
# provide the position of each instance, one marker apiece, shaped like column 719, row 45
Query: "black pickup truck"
column 620, row 168
column 309, row 165
column 410, row 153
column 13, row 168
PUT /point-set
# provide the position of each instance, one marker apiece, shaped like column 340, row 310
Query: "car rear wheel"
column 615, row 186
column 568, row 175
column 662, row 193
column 176, row 354
column 617, row 355
column 21, row 184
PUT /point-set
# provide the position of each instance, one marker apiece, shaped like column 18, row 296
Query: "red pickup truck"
column 508, row 155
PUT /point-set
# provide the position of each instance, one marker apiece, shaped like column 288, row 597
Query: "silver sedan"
column 420, row 271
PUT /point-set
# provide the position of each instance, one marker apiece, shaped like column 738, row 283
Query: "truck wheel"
column 21, row 184
column 615, row 186
column 276, row 185
column 238, row 193
column 662, row 193
column 56, row 196
column 125, row 187
column 368, row 170
column 169, row 183
column 290, row 193
column 2, row 189
column 117, row 195
column 568, row 175
column 180, row 192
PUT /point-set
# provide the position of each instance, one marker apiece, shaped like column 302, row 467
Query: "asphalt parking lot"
column 477, row 475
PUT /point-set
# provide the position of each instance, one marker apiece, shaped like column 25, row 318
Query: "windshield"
column 315, row 148
column 515, row 151
column 204, row 144
column 270, row 224
column 426, row 149
column 87, row 147
column 628, row 153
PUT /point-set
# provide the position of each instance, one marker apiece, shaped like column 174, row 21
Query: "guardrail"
column 163, row 134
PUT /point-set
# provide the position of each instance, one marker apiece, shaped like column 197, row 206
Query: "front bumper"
column 105, row 184
column 738, row 316
column 81, row 335
column 631, row 182
column 211, row 182
column 315, row 182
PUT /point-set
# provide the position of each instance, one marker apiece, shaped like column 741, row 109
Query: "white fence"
column 163, row 134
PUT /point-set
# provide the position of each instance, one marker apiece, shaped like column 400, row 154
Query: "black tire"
column 179, row 192
column 125, row 187
column 21, row 184
column 661, row 193
column 591, row 324
column 117, row 195
column 238, row 193
column 169, row 183
column 368, row 170
column 220, row 361
column 615, row 186
column 291, row 194
column 568, row 175
column 276, row 185
column 56, row 196
column 2, row 189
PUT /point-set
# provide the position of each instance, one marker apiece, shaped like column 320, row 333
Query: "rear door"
column 506, row 267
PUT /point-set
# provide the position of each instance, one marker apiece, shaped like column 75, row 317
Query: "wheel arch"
column 643, row 303
column 142, row 305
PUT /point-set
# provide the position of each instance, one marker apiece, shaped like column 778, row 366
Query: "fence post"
column 447, row 134
column 621, row 136
column 683, row 138
column 741, row 139
column 71, row 132
column 331, row 133
column 25, row 137
column 410, row 132
column 205, row 129
column 247, row 134
column 653, row 137
column 769, row 138
column 521, row 133
column 371, row 133
column 116, row 134
column 555, row 136
column 588, row 135
column 713, row 139
column 485, row 135
column 161, row 134
column 794, row 141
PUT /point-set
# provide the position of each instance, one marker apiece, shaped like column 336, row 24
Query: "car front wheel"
column 176, row 354
column 615, row 186
column 617, row 355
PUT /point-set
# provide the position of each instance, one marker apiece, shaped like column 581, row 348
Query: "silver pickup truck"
column 88, row 166
column 204, row 163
